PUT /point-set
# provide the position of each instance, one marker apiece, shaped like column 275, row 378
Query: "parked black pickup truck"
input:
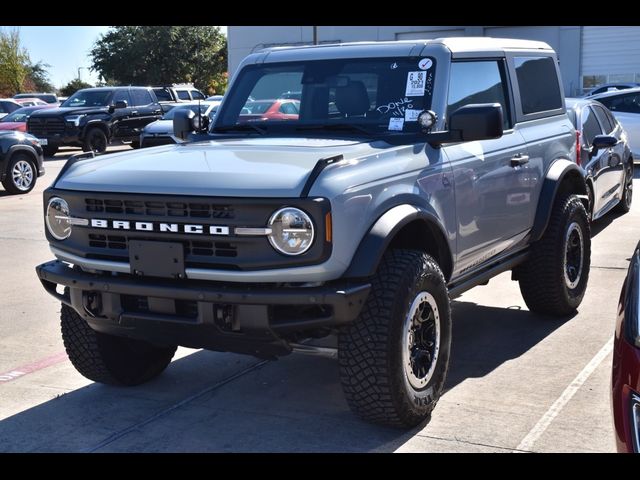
column 91, row 118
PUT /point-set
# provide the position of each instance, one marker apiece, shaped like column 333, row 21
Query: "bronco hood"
column 246, row 167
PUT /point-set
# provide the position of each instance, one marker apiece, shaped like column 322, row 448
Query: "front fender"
column 374, row 244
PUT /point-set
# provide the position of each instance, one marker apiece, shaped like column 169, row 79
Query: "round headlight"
column 291, row 231
column 57, row 218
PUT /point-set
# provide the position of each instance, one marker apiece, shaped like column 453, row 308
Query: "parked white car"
column 625, row 106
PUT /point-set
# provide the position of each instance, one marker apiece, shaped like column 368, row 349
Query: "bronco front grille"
column 205, row 248
column 162, row 209
column 44, row 127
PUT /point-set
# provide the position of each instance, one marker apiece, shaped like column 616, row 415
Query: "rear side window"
column 183, row 94
column 162, row 94
column 603, row 119
column 478, row 82
column 629, row 103
column 140, row 97
column 197, row 95
column 590, row 126
column 538, row 83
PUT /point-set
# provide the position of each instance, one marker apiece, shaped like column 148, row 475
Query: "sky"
column 65, row 48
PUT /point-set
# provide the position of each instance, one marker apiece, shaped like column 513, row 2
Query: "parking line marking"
column 32, row 367
column 539, row 428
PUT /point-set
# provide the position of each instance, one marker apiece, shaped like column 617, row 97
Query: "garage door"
column 612, row 51
column 429, row 34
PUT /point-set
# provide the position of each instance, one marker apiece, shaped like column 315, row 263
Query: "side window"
column 611, row 118
column 603, row 119
column 590, row 126
column 288, row 108
column 2, row 108
column 479, row 82
column 183, row 94
column 162, row 94
column 629, row 103
column 141, row 97
column 538, row 84
column 197, row 95
column 121, row 95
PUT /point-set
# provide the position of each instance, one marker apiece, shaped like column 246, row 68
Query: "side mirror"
column 121, row 104
column 477, row 121
column 183, row 123
column 604, row 141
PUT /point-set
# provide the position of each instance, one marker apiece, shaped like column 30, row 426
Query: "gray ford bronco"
column 409, row 173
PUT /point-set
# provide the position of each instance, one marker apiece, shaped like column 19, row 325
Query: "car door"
column 121, row 117
column 146, row 109
column 491, row 177
column 595, row 161
column 615, row 163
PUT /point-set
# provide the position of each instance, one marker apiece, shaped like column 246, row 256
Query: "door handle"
column 519, row 159
column 134, row 112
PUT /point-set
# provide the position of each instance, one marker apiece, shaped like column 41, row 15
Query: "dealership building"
column 588, row 55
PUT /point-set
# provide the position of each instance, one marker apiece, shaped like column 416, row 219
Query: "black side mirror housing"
column 476, row 121
column 183, row 123
column 604, row 141
column 121, row 104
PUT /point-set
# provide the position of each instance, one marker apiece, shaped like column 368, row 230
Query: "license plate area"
column 156, row 259
column 43, row 141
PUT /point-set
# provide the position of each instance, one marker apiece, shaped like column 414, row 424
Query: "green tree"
column 151, row 55
column 38, row 77
column 73, row 86
column 13, row 63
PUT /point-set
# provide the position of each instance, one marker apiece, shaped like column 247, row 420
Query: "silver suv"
column 411, row 172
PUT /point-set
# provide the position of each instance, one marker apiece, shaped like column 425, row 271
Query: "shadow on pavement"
column 294, row 404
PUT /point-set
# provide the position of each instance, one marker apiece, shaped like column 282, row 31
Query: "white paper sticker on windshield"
column 415, row 84
column 411, row 115
column 425, row 64
column 396, row 123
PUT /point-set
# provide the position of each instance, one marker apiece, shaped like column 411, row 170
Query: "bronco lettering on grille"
column 160, row 227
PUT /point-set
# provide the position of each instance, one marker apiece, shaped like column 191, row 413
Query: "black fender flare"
column 561, row 170
column 376, row 241
column 21, row 148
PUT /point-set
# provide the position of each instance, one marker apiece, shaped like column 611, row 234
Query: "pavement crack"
column 166, row 411
column 467, row 442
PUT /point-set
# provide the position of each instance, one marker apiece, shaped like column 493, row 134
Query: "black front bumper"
column 251, row 319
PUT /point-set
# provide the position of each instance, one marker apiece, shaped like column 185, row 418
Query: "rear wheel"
column 394, row 357
column 95, row 141
column 554, row 278
column 109, row 359
column 627, row 192
column 20, row 175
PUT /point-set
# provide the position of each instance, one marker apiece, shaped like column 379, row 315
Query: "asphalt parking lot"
column 517, row 381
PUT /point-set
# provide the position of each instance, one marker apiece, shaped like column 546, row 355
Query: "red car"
column 625, row 378
column 281, row 109
column 17, row 120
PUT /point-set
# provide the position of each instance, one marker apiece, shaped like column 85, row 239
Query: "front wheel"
column 109, row 359
column 394, row 357
column 627, row 192
column 20, row 175
column 554, row 278
column 95, row 141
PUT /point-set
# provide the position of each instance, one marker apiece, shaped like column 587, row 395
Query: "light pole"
column 315, row 35
column 80, row 68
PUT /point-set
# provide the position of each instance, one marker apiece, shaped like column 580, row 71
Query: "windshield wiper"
column 336, row 126
column 241, row 127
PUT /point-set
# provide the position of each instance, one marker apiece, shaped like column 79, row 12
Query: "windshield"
column 371, row 95
column 88, row 98
column 19, row 115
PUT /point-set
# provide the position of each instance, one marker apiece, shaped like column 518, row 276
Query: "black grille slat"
column 46, row 126
column 159, row 209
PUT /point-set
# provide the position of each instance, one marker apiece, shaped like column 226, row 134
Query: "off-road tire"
column 21, row 164
column 543, row 283
column 49, row 151
column 95, row 140
column 109, row 359
column 627, row 193
column 372, row 373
